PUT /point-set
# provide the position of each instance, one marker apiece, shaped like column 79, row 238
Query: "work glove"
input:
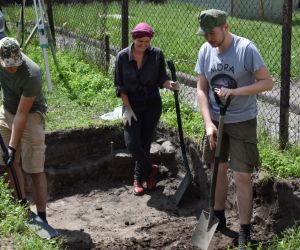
column 9, row 156
column 171, row 85
column 127, row 115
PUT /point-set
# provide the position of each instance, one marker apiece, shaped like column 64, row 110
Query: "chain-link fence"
column 102, row 28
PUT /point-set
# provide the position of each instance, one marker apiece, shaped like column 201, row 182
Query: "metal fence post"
column 232, row 7
column 50, row 17
column 124, row 23
column 285, row 73
column 107, row 53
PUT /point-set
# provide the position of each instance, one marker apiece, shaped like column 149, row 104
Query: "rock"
column 168, row 147
column 155, row 148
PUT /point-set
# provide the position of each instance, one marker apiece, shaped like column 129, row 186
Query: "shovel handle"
column 216, row 162
column 223, row 106
column 179, row 122
column 3, row 147
column 172, row 70
column 12, row 170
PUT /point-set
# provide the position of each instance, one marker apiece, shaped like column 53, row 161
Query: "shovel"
column 35, row 223
column 208, row 222
column 188, row 176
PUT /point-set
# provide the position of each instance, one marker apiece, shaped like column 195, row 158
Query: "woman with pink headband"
column 139, row 74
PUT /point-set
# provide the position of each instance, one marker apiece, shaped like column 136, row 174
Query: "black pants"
column 139, row 135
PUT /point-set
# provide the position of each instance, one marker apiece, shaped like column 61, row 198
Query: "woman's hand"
column 171, row 85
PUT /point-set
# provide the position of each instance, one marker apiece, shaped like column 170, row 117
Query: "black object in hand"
column 9, row 156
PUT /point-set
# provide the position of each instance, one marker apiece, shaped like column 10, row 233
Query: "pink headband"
column 142, row 30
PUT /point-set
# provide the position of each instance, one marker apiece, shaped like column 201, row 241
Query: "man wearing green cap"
column 226, row 58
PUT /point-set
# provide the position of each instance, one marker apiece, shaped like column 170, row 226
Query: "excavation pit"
column 91, row 201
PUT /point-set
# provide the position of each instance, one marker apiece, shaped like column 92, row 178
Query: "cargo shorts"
column 239, row 146
column 31, row 149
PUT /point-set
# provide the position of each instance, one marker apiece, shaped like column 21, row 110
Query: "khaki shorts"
column 239, row 146
column 31, row 149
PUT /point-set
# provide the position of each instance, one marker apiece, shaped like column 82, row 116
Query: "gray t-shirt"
column 239, row 62
column 27, row 81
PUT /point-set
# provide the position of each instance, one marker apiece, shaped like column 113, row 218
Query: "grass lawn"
column 175, row 26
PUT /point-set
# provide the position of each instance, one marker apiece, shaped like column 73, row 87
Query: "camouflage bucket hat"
column 10, row 53
column 210, row 19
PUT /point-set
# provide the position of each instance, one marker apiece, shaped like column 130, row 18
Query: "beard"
column 218, row 43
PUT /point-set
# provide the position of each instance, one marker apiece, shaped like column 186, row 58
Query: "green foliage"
column 175, row 24
column 192, row 122
column 84, row 83
column 81, row 93
column 288, row 241
column 13, row 227
column 279, row 163
column 12, row 215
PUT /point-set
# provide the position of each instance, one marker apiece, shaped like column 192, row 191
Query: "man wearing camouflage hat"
column 225, row 58
column 22, row 119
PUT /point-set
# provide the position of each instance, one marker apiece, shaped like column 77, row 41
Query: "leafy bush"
column 279, row 163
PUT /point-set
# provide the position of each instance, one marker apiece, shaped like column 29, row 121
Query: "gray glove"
column 127, row 115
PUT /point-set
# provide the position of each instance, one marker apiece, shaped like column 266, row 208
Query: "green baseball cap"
column 210, row 19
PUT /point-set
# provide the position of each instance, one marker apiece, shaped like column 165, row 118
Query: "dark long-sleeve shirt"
column 143, row 82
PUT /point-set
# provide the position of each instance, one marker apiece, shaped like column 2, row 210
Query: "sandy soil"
column 105, row 214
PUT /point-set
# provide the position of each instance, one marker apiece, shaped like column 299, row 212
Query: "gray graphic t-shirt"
column 237, row 64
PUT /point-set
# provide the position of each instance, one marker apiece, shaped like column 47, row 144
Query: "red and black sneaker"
column 138, row 188
column 151, row 181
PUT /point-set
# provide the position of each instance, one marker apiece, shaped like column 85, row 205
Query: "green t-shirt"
column 27, row 81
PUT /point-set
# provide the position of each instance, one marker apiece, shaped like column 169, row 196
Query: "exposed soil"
column 93, row 205
column 106, row 215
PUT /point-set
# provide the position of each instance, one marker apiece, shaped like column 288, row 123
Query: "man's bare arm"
column 20, row 120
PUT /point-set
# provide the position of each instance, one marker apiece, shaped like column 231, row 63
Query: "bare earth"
column 106, row 215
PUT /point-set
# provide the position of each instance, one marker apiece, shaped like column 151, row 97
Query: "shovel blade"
column 182, row 188
column 204, row 232
column 41, row 228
